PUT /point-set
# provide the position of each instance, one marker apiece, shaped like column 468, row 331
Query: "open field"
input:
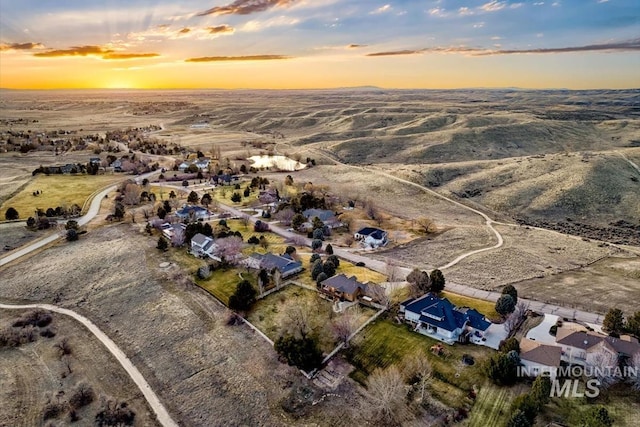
column 526, row 253
column 616, row 277
column 16, row 169
column 57, row 190
column 34, row 372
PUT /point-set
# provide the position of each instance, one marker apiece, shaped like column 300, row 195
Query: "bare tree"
column 297, row 319
column 285, row 216
column 378, row 294
column 515, row 319
column 131, row 195
column 371, row 210
column 425, row 225
column 229, row 249
column 348, row 240
column 635, row 363
column 244, row 220
column 386, row 391
column 417, row 366
column 394, row 274
column 345, row 325
column 178, row 237
column 605, row 363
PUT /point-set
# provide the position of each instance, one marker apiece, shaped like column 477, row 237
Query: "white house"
column 440, row 319
column 203, row 246
column 371, row 236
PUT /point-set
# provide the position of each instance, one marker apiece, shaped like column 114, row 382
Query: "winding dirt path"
column 488, row 221
column 161, row 412
column 154, row 402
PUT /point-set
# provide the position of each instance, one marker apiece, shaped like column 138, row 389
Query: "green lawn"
column 487, row 308
column 57, row 190
column 222, row 283
column 385, row 343
column 622, row 403
column 493, row 404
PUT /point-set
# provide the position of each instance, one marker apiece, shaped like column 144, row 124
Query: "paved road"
column 94, row 208
column 163, row 416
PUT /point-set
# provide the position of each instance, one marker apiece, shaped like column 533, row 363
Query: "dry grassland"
column 206, row 373
column 611, row 282
column 34, row 372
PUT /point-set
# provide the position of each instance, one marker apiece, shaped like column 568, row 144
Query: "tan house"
column 537, row 358
column 343, row 287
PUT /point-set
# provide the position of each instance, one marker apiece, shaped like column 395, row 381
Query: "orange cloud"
column 356, row 46
column 184, row 31
column 98, row 51
column 397, row 53
column 221, row 29
column 237, row 58
column 20, row 46
column 245, row 7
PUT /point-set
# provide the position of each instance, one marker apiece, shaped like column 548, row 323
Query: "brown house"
column 343, row 287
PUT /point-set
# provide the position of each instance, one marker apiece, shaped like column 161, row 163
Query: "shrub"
column 236, row 198
column 303, row 353
column 316, row 244
column 163, row 245
column 72, row 235
column 253, row 240
column 11, row 214
column 329, row 250
column 314, row 258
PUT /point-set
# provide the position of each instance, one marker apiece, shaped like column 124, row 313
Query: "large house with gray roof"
column 438, row 318
column 286, row 265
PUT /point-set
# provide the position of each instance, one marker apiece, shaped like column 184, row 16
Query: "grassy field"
column 57, row 190
column 487, row 308
column 622, row 404
column 222, row 283
column 267, row 312
column 385, row 343
column 493, row 403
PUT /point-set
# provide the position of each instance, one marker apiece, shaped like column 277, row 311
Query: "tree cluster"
column 502, row 367
column 526, row 407
column 243, row 297
column 302, row 352
column 614, row 323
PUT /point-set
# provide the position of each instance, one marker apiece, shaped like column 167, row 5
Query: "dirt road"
column 163, row 416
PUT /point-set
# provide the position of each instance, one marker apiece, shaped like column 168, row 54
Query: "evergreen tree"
column 511, row 290
column 505, row 305
column 437, row 281
column 243, row 297
column 613, row 322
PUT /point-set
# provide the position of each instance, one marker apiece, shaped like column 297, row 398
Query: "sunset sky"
column 574, row 44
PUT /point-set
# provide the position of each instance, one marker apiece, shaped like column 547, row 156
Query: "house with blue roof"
column 371, row 236
column 192, row 213
column 438, row 318
column 286, row 265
